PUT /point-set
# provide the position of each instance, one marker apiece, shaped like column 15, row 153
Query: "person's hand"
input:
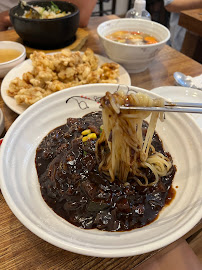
column 4, row 21
column 176, row 256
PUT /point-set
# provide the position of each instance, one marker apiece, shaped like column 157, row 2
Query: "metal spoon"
column 28, row 7
column 182, row 79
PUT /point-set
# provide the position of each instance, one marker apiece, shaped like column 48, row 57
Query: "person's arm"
column 4, row 21
column 86, row 7
column 179, row 5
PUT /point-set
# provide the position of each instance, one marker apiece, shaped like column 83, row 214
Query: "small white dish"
column 20, row 187
column 5, row 67
column 26, row 66
column 184, row 94
column 1, row 122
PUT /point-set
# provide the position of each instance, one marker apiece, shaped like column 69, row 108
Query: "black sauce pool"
column 72, row 186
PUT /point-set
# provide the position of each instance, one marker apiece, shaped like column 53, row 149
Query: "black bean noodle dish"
column 107, row 170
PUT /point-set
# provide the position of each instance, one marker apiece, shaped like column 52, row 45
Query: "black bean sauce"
column 73, row 187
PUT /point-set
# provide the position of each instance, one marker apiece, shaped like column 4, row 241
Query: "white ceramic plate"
column 26, row 66
column 19, row 183
column 184, row 94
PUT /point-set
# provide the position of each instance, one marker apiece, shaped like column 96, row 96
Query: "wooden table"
column 21, row 249
column 192, row 21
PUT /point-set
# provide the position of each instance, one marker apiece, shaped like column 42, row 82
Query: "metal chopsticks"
column 181, row 107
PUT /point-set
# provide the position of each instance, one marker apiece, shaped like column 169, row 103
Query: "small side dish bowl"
column 46, row 33
column 135, row 58
column 5, row 67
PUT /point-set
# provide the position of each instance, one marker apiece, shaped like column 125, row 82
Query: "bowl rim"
column 133, row 45
column 1, row 124
column 81, row 250
column 11, row 13
column 17, row 58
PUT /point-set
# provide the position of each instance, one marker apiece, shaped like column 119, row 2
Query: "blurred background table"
column 21, row 249
column 192, row 21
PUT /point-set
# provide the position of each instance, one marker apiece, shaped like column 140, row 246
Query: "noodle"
column 78, row 186
column 122, row 151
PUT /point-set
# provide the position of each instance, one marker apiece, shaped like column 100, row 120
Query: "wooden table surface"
column 21, row 249
column 191, row 20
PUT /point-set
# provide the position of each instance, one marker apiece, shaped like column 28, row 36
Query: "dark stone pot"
column 46, row 33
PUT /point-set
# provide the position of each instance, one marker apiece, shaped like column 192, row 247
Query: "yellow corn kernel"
column 85, row 138
column 86, row 132
column 92, row 136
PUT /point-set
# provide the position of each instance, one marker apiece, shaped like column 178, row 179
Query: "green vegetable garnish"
column 54, row 7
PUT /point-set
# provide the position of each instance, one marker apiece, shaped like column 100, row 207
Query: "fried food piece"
column 90, row 58
column 54, row 72
column 16, row 85
column 31, row 95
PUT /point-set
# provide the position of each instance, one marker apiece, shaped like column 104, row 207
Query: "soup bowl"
column 5, row 67
column 135, row 58
column 20, row 185
column 46, row 33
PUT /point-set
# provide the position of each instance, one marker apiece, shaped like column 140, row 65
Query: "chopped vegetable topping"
column 86, row 132
column 91, row 136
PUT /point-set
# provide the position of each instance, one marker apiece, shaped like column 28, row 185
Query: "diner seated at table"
column 178, row 32
column 86, row 7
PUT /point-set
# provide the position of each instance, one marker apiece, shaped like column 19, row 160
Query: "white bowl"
column 6, row 66
column 20, row 187
column 135, row 58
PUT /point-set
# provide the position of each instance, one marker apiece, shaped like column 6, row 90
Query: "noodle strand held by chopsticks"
column 121, row 149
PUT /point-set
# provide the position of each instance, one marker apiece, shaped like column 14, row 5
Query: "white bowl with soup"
column 11, row 54
column 126, row 41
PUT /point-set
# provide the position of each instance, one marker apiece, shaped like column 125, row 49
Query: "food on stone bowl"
column 107, row 170
column 132, row 37
column 54, row 72
column 49, row 12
